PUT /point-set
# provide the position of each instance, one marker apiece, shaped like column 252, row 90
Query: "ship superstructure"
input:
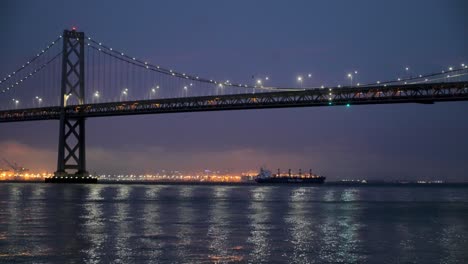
column 265, row 176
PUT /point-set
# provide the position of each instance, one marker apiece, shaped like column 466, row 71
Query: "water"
column 42, row 223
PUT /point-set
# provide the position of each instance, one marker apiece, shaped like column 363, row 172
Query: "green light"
column 348, row 105
column 329, row 103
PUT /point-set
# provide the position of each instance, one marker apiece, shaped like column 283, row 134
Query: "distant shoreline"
column 332, row 183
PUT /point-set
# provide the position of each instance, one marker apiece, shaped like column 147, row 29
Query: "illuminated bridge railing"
column 416, row 93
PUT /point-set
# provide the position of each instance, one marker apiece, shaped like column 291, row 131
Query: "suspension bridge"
column 77, row 77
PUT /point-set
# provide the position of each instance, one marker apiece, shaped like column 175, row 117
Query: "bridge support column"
column 72, row 149
column 71, row 165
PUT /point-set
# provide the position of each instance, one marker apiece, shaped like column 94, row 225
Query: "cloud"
column 36, row 159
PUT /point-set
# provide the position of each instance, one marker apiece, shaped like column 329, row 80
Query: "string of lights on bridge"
column 29, row 62
column 32, row 73
column 451, row 72
column 150, row 66
column 147, row 65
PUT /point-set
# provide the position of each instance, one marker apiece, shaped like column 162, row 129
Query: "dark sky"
column 282, row 39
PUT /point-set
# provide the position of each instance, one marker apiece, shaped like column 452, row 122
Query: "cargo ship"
column 265, row 176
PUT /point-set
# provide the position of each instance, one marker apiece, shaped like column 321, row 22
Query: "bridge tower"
column 71, row 164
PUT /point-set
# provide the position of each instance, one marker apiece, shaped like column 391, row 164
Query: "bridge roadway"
column 426, row 93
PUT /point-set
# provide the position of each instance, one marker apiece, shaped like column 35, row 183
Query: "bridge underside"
column 416, row 93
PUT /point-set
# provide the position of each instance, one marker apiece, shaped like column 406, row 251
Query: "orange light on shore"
column 11, row 176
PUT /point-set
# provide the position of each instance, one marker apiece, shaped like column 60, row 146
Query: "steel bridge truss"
column 426, row 93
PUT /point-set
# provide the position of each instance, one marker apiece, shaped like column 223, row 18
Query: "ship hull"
column 292, row 180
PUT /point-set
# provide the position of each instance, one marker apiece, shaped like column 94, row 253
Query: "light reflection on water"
column 232, row 224
column 259, row 219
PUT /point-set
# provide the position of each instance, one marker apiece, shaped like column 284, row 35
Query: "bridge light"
column 348, row 105
column 259, row 82
column 463, row 64
column 309, row 75
column 299, row 78
column 450, row 69
column 267, row 78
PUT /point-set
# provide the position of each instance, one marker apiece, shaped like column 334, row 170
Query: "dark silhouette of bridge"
column 110, row 73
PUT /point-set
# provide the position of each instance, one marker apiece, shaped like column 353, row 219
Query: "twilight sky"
column 233, row 40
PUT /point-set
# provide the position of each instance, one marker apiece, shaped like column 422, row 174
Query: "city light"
column 299, row 79
column 350, row 76
column 38, row 99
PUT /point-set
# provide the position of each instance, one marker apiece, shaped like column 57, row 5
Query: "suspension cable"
column 32, row 73
column 29, row 62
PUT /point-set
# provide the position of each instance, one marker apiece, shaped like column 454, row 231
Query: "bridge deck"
column 415, row 93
